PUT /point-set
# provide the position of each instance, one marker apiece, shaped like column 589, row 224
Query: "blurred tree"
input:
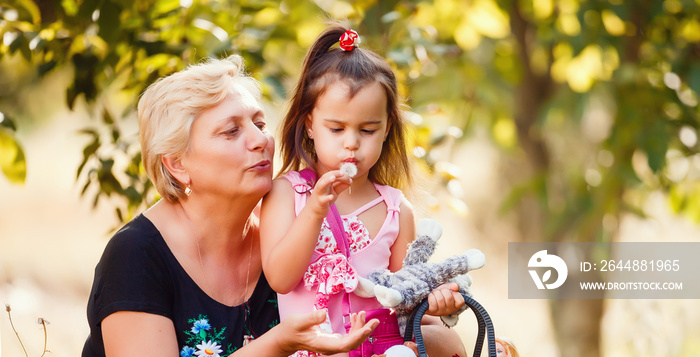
column 124, row 45
column 594, row 102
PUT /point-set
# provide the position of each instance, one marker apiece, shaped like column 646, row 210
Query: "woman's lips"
column 261, row 166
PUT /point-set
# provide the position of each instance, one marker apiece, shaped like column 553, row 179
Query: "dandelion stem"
column 7, row 307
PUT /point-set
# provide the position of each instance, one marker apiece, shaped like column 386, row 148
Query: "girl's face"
column 230, row 151
column 349, row 130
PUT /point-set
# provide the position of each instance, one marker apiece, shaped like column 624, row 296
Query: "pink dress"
column 366, row 255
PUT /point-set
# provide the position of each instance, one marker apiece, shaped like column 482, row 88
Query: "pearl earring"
column 188, row 191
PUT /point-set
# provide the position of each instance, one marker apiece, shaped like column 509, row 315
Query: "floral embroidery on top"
column 200, row 325
column 207, row 340
column 330, row 274
column 355, row 230
column 187, row 351
column 208, row 348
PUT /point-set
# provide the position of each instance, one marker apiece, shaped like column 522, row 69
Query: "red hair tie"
column 349, row 40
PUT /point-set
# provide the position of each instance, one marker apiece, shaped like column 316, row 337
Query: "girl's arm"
column 288, row 242
column 128, row 333
column 286, row 247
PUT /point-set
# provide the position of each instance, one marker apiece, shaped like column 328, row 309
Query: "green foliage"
column 12, row 161
column 616, row 81
column 591, row 87
column 594, row 103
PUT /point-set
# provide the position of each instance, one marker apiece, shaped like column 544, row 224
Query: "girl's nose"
column 352, row 141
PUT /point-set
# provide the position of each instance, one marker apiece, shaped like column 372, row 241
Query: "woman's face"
column 231, row 151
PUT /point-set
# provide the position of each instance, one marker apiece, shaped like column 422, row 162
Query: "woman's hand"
column 445, row 300
column 327, row 189
column 301, row 333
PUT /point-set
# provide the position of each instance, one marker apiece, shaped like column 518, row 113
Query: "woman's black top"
column 138, row 272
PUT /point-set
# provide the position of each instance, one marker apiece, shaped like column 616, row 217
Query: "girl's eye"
column 368, row 131
column 232, row 131
column 261, row 125
column 336, row 130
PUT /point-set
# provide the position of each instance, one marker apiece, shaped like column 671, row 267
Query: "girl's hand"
column 302, row 333
column 326, row 191
column 445, row 300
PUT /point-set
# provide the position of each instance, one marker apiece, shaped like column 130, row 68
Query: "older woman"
column 185, row 276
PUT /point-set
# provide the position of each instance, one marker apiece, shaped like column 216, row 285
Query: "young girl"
column 344, row 113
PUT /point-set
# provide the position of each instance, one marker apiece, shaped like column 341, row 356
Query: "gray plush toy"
column 404, row 289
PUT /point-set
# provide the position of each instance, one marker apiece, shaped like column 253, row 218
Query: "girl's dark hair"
column 323, row 66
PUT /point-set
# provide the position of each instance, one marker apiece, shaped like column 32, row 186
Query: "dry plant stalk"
column 41, row 321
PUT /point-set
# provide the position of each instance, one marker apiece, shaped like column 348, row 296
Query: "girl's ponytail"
column 297, row 149
column 321, row 46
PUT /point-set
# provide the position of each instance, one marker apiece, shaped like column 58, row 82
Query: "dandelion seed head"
column 349, row 169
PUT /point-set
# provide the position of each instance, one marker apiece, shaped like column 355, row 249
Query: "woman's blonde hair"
column 170, row 105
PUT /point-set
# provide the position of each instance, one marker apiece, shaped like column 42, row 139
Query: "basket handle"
column 482, row 318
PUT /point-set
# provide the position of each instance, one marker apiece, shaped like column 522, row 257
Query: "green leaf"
column 109, row 21
column 88, row 152
column 693, row 204
column 86, row 8
column 32, row 9
column 46, row 67
column 12, row 160
column 71, row 96
column 107, row 117
column 694, row 78
column 676, row 199
column 133, row 195
column 19, row 43
column 7, row 122
column 656, row 145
